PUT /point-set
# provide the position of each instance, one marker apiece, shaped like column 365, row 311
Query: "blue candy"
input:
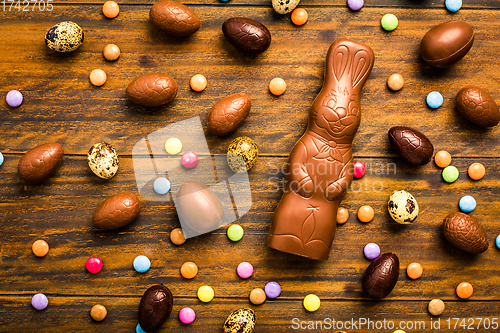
column 1, row 159
column 161, row 185
column 139, row 329
column 467, row 204
column 498, row 241
column 142, row 264
column 434, row 99
column 453, row 5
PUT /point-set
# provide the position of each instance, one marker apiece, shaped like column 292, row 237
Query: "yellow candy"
column 173, row 146
column 311, row 302
column 205, row 293
column 399, row 331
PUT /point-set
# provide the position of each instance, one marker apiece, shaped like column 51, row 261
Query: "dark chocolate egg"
column 411, row 145
column 381, row 276
column 477, row 106
column 247, row 35
column 199, row 207
column 465, row 233
column 155, row 307
column 446, row 43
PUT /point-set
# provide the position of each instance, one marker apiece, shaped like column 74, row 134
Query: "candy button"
column 173, row 146
column 342, row 215
column 450, row 174
column 98, row 312
column 436, row 307
column 161, row 185
column 453, row 5
column 277, row 86
column 414, row 270
column 365, row 213
column 371, row 251
column 187, row 316
column 272, row 289
column 205, row 293
column 94, row 265
column 142, row 264
column 189, row 159
column 355, row 4
column 235, row 232
column 244, row 270
column 257, row 296
column 111, row 52
column 389, row 22
column 434, row 99
column 189, row 270
column 299, row 16
column 464, row 290
column 399, row 331
column 442, row 159
column 198, row 82
column 98, row 77
column 497, row 241
column 40, row 248
column 359, row 169
column 39, row 301
column 476, row 171
column 467, row 204
column 110, row 9
column 14, row 98
column 177, row 236
column 138, row 329
column 395, row 82
column 311, row 302
column 1, row 158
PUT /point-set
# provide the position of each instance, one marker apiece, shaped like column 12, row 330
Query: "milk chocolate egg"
column 465, row 233
column 228, row 114
column 477, row 106
column 199, row 207
column 174, row 18
column 155, row 307
column 446, row 43
column 381, row 276
column 247, row 35
column 117, row 211
column 240, row 321
column 40, row 163
column 411, row 145
column 152, row 90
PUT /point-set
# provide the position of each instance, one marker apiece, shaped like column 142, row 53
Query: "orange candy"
column 342, row 215
column 442, row 159
column 299, row 16
column 464, row 290
column 365, row 213
column 277, row 86
column 110, row 9
column 40, row 248
column 177, row 236
column 476, row 171
column 198, row 82
column 414, row 270
column 189, row 270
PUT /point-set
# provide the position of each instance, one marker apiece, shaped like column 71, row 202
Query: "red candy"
column 94, row 265
column 189, row 159
column 359, row 169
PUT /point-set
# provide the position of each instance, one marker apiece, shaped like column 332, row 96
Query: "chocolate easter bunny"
column 320, row 166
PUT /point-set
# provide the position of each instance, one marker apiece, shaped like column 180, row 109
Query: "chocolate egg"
column 403, row 207
column 446, row 43
column 240, row 321
column 411, row 145
column 247, row 35
column 152, row 90
column 40, row 163
column 465, row 233
column 117, row 211
column 477, row 106
column 242, row 154
column 103, row 160
column 174, row 18
column 381, row 276
column 64, row 37
column 228, row 114
column 155, row 307
column 199, row 207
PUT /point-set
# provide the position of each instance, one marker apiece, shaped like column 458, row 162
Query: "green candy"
column 389, row 22
column 235, row 232
column 450, row 174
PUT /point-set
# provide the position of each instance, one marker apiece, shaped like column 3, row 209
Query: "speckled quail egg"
column 64, row 37
column 242, row 154
column 240, row 321
column 103, row 160
column 403, row 207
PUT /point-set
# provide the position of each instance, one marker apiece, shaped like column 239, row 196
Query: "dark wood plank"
column 61, row 105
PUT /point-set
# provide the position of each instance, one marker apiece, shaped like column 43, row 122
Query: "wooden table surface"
column 61, row 105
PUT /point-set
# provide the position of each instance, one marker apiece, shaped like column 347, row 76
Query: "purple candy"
column 372, row 251
column 272, row 289
column 39, row 301
column 14, row 98
column 355, row 4
column 187, row 316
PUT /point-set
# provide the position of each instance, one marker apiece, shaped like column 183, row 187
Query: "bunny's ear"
column 361, row 67
column 340, row 58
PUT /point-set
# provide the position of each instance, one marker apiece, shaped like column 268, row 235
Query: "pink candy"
column 94, row 265
column 187, row 315
column 189, row 159
column 245, row 270
column 359, row 169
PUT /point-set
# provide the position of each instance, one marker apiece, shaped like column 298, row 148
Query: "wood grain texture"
column 61, row 105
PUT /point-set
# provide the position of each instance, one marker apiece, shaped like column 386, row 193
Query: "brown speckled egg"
column 64, row 37
column 240, row 321
column 103, row 160
column 242, row 154
column 403, row 207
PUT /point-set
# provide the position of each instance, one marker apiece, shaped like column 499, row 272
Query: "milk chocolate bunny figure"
column 320, row 165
